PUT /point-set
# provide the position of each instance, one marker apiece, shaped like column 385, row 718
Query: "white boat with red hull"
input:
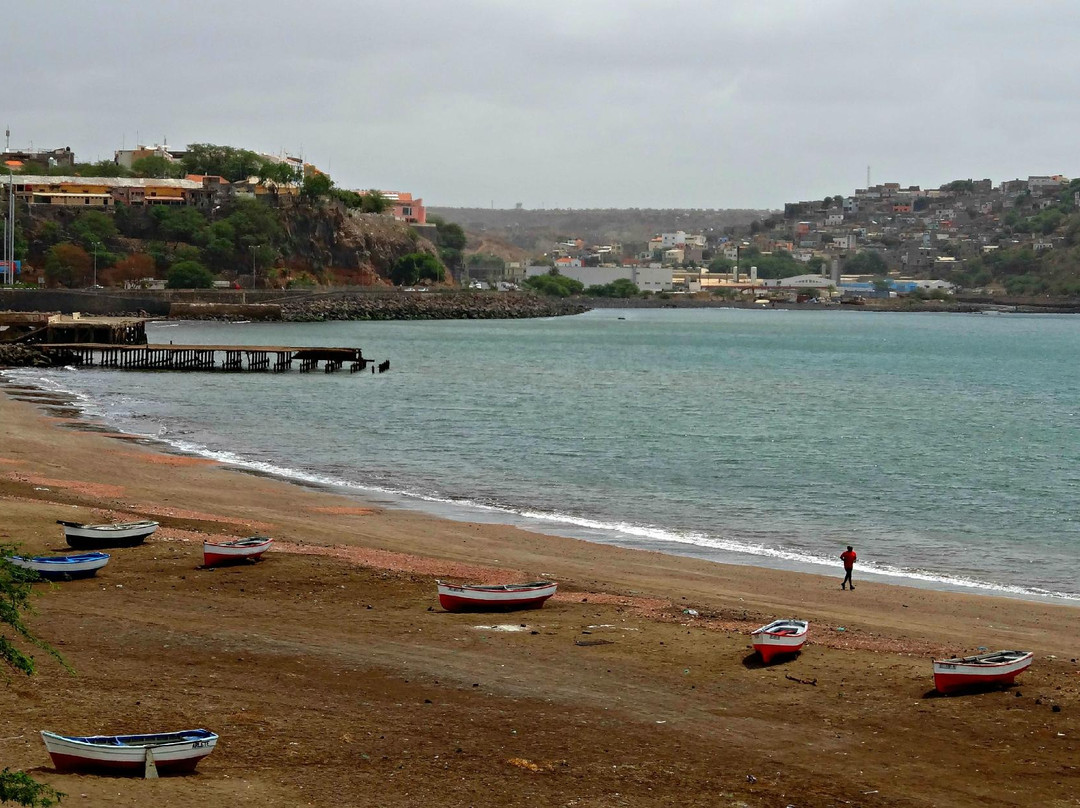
column 170, row 751
column 232, row 552
column 494, row 597
column 780, row 637
column 117, row 534
column 981, row 670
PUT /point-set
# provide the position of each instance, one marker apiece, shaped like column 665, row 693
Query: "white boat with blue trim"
column 171, row 751
column 63, row 567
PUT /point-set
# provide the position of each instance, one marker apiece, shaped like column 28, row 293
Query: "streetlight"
column 254, row 247
column 96, row 245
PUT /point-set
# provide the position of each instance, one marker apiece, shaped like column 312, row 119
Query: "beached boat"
column 994, row 668
column 172, row 751
column 226, row 552
column 780, row 637
column 118, row 534
column 62, row 567
column 463, row 597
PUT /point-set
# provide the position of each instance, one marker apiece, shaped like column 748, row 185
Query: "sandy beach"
column 334, row 678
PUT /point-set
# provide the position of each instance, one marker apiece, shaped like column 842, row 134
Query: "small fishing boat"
column 63, row 567
column 215, row 553
column 780, row 637
column 496, row 597
column 171, row 751
column 118, row 534
column 996, row 667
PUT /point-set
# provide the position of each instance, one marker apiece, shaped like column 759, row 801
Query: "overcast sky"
column 564, row 103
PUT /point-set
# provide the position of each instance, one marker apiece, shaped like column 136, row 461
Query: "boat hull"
column 177, row 753
column 216, row 555
column 779, row 638
column 493, row 599
column 63, row 568
column 89, row 537
column 950, row 676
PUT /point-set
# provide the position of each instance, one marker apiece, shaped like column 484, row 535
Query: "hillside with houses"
column 1018, row 238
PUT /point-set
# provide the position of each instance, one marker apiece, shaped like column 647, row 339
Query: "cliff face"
column 331, row 243
column 357, row 247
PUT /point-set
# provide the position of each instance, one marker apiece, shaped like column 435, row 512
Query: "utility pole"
column 9, row 232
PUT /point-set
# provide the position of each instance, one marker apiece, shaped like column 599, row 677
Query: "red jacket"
column 848, row 557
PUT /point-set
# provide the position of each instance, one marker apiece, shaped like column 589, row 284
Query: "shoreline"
column 391, row 503
column 65, row 403
column 329, row 670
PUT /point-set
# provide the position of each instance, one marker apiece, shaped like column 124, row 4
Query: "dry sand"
column 334, row 679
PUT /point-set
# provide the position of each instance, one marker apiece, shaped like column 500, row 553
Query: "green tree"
column 554, row 285
column 374, row 202
column 316, row 184
column 93, row 225
column 865, row 262
column 157, row 166
column 721, row 264
column 180, row 224
column 19, row 787
column 279, row 173
column 415, row 267
column 620, row 287
column 189, row 275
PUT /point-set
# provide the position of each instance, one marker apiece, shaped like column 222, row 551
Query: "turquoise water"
column 944, row 447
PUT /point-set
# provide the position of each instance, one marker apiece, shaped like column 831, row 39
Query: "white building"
column 647, row 279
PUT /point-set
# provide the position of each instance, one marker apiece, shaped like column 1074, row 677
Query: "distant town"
column 1015, row 238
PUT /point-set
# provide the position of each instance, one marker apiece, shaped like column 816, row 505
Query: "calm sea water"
column 944, row 447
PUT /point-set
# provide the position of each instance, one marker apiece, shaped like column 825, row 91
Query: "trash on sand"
column 841, row 628
column 691, row 612
column 587, row 643
column 528, row 765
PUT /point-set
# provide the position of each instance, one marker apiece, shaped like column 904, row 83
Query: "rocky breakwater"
column 427, row 306
column 29, row 356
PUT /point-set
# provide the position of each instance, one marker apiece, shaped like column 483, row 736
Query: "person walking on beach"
column 848, row 557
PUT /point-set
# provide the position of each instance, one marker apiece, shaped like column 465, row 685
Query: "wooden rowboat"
column 497, row 597
column 780, row 637
column 118, row 534
column 63, row 567
column 994, row 668
column 170, row 751
column 227, row 552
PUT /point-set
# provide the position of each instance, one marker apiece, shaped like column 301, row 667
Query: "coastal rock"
column 430, row 305
column 27, row 356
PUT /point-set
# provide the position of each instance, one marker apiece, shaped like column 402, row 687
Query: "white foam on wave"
column 624, row 533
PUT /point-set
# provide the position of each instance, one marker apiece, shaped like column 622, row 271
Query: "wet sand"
column 334, row 678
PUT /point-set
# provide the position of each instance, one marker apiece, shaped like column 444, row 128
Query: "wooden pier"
column 208, row 357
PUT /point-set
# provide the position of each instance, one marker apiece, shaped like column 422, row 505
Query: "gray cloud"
column 566, row 103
